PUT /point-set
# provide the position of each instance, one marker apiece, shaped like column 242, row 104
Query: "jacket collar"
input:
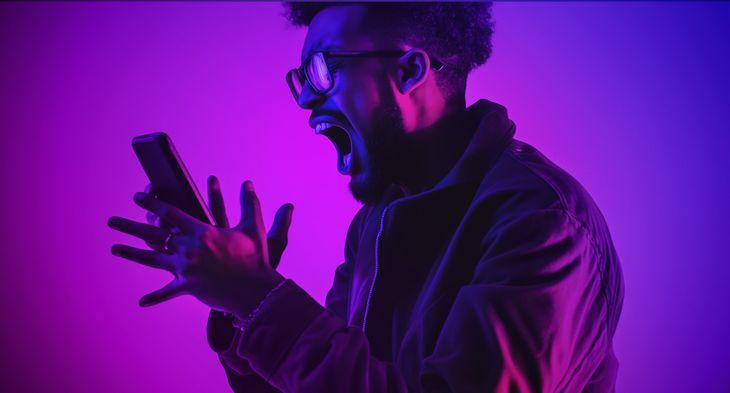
column 493, row 134
column 491, row 137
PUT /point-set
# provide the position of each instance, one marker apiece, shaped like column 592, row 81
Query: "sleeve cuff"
column 278, row 325
column 220, row 331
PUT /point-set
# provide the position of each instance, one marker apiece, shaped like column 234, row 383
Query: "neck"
column 427, row 154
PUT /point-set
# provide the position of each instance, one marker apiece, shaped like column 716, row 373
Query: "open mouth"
column 341, row 139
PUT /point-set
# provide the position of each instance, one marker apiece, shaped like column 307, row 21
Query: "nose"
column 309, row 99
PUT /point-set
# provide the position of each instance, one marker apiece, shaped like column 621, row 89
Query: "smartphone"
column 170, row 179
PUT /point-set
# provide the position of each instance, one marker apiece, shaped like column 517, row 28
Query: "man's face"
column 361, row 106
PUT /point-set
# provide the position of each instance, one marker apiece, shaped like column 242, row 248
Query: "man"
column 475, row 263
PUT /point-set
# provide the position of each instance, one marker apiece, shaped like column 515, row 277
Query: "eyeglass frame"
column 436, row 64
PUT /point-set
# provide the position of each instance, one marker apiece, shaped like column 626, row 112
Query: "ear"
column 413, row 68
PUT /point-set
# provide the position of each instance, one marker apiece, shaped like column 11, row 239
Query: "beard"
column 380, row 160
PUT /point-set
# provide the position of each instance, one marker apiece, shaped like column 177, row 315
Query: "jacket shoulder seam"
column 559, row 196
column 552, row 186
column 581, row 225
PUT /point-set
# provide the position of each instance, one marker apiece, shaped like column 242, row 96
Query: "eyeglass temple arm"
column 436, row 64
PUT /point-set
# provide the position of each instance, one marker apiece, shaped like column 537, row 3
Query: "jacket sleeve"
column 224, row 338
column 517, row 325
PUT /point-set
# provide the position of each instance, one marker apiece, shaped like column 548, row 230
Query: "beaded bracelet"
column 245, row 323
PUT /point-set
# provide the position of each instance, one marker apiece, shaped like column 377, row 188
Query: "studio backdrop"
column 631, row 99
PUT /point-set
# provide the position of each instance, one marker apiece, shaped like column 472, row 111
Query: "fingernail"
column 111, row 221
column 115, row 250
column 139, row 196
column 248, row 185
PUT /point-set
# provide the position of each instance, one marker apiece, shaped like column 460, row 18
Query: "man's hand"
column 229, row 269
column 277, row 238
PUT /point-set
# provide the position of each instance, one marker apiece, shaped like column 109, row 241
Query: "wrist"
column 244, row 321
column 254, row 295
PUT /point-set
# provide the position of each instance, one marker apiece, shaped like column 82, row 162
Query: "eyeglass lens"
column 296, row 84
column 316, row 71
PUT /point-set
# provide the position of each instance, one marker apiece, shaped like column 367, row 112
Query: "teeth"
column 321, row 127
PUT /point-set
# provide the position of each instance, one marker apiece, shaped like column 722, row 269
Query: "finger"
column 156, row 246
column 146, row 232
column 278, row 236
column 282, row 221
column 145, row 257
column 171, row 290
column 215, row 202
column 167, row 212
column 152, row 219
column 251, row 209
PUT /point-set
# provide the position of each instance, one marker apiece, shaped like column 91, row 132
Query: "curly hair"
column 458, row 34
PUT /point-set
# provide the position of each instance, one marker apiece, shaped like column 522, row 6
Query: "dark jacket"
column 503, row 277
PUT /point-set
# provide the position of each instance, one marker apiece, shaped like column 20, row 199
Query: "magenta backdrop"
column 632, row 99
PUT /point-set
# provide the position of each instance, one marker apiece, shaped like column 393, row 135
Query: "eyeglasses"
column 316, row 72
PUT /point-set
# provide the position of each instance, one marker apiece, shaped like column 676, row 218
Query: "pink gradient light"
column 629, row 98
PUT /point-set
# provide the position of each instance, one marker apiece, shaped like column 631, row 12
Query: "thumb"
column 278, row 235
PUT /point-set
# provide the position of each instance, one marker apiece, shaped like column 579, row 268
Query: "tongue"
column 344, row 162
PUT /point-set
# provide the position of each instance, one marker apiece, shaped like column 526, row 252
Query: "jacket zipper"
column 375, row 273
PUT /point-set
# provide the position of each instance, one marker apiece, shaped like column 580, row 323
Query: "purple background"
column 632, row 99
